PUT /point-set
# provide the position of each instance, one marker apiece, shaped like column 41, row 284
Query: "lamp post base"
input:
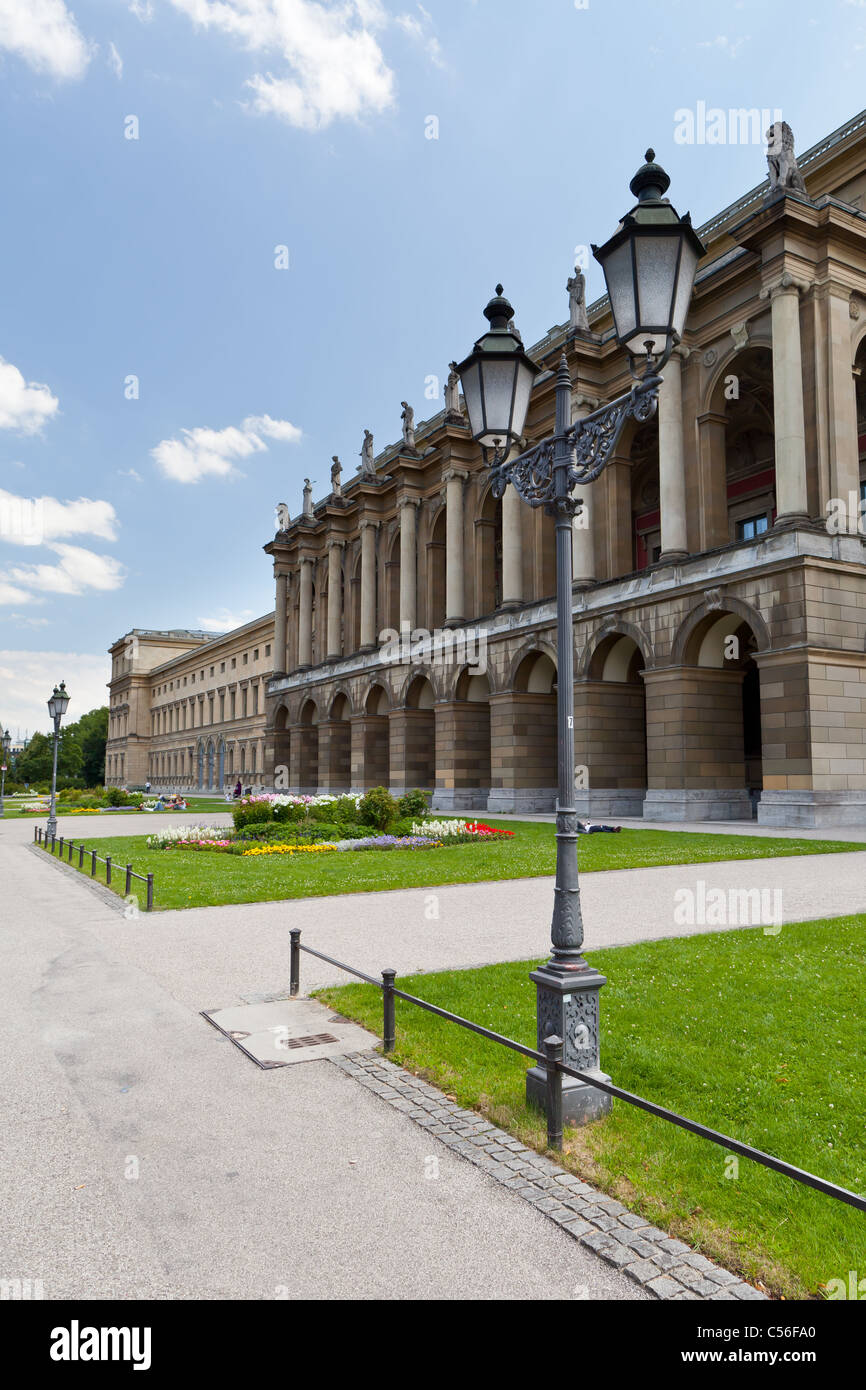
column 568, row 1006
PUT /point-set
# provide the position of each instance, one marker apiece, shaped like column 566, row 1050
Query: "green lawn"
column 760, row 1037
column 193, row 879
column 196, row 805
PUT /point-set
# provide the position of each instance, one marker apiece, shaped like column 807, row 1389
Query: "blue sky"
column 281, row 123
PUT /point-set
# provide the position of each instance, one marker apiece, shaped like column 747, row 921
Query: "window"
column 752, row 526
column 267, row 651
column 256, row 654
column 192, row 678
column 211, row 670
column 246, row 657
column 222, row 666
column 234, row 663
column 863, row 490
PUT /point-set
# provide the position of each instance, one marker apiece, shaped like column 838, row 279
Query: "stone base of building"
column 521, row 800
column 610, row 803
column 696, row 804
column 460, row 799
column 812, row 810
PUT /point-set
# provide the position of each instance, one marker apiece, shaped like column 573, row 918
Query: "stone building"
column 187, row 709
column 719, row 617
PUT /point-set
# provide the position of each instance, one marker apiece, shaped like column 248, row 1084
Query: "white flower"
column 439, row 829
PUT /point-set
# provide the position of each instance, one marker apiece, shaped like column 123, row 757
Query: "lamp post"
column 6, row 742
column 57, row 707
column 649, row 266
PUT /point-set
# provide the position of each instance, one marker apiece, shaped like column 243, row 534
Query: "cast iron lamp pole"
column 649, row 266
column 57, row 707
column 6, row 745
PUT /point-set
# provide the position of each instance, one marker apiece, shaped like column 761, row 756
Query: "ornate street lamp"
column 57, row 707
column 649, row 265
column 6, row 742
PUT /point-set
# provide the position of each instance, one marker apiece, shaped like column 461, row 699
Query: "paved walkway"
column 295, row 1182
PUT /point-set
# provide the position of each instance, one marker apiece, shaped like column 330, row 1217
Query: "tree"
column 92, row 735
column 80, row 757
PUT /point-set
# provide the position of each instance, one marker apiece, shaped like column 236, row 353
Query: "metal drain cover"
column 285, row 1031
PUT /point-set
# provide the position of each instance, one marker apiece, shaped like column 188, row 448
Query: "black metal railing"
column 556, row 1068
column 59, row 845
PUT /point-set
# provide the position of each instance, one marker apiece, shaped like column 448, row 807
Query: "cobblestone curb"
column 668, row 1268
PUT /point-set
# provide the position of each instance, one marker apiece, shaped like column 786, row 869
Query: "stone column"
column 842, row 415
column 408, row 557
column 368, row 585
column 281, row 664
column 583, row 538
column 455, row 581
column 305, row 617
column 672, row 471
column 790, row 428
column 512, row 549
column 335, row 598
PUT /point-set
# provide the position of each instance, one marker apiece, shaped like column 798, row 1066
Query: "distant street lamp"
column 6, row 741
column 57, row 707
column 649, row 266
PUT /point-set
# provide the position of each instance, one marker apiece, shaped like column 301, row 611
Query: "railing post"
column 93, row 863
column 149, row 907
column 71, row 848
column 128, row 885
column 295, row 961
column 53, row 842
column 81, row 856
column 108, row 870
column 388, row 1009
column 36, row 834
column 553, row 1048
column 60, row 843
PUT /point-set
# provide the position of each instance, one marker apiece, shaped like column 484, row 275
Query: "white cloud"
column 225, row 621
column 45, row 35
column 336, row 67
column 79, row 570
column 28, row 678
column 130, row 473
column 115, row 62
column 422, row 31
column 142, row 9
column 35, row 520
column 730, row 47
column 10, row 593
column 202, row 452
column 24, row 406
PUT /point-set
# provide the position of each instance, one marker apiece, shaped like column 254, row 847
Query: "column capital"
column 367, row 525
column 682, row 352
column 408, row 500
column 579, row 399
column 334, row 544
column 449, row 473
column 785, row 283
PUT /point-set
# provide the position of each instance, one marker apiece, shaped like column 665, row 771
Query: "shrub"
column 252, row 813
column 377, row 808
column 413, row 804
column 114, row 796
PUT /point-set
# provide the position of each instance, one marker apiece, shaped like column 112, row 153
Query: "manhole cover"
column 281, row 1032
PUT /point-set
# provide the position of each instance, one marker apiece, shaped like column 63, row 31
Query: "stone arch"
column 371, row 761
column 737, row 446
column 436, row 547
column 210, row 755
column 695, row 626
column 307, row 743
column 377, row 699
column 619, row 627
column 463, row 763
column 335, row 742
column 533, row 646
column 416, row 673
column 713, row 396
column 412, row 729
column 610, row 740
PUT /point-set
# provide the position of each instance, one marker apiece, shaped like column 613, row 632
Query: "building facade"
column 187, row 709
column 719, row 587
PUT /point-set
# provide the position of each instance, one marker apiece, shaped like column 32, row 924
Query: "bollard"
column 71, row 848
column 389, row 1010
column 81, row 856
column 149, row 907
column 553, row 1048
column 128, row 885
column 108, row 870
column 295, row 961
column 93, row 863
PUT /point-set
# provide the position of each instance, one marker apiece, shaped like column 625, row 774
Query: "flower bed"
column 460, row 831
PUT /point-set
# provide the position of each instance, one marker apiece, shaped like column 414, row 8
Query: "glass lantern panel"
column 656, row 260
column 619, row 276
column 498, row 394
column 685, row 284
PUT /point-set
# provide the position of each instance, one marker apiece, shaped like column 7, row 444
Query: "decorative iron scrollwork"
column 589, row 444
